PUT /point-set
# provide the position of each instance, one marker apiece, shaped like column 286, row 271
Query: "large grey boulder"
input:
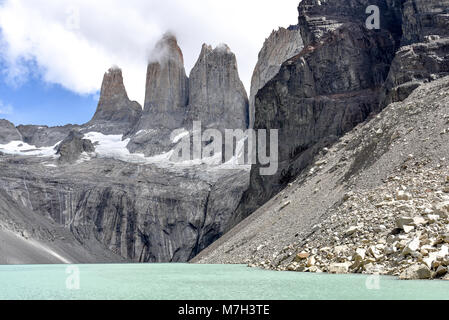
column 281, row 45
column 115, row 114
column 73, row 147
column 8, row 132
column 217, row 96
column 416, row 272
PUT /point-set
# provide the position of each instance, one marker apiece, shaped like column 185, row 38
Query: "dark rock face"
column 8, row 132
column 115, row 114
column 139, row 212
column 73, row 146
column 413, row 65
column 317, row 96
column 217, row 96
column 344, row 73
column 422, row 19
column 43, row 136
column 166, row 99
column 167, row 86
column 278, row 47
column 214, row 95
column 425, row 53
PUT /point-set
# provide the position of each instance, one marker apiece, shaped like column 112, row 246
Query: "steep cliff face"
column 122, row 206
column 29, row 238
column 8, row 132
column 321, row 93
column 278, row 47
column 217, row 96
column 424, row 18
column 167, row 86
column 115, row 114
column 139, row 212
column 166, row 99
column 424, row 55
column 344, row 73
column 214, row 95
column 318, row 18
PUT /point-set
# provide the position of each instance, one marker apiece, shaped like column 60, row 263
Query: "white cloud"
column 6, row 109
column 74, row 42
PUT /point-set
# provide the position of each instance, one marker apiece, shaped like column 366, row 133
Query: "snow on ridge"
column 25, row 149
column 180, row 134
column 114, row 147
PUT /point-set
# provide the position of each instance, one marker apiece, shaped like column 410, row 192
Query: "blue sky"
column 41, row 103
column 53, row 54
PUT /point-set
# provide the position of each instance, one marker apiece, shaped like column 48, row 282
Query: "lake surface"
column 201, row 282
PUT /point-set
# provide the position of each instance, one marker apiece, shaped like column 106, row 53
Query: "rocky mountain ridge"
column 281, row 45
column 111, row 183
column 359, row 191
column 376, row 202
column 344, row 73
column 318, row 83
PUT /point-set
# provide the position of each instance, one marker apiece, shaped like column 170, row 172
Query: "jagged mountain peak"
column 217, row 96
column 281, row 45
column 166, row 49
column 115, row 112
column 213, row 54
column 113, row 85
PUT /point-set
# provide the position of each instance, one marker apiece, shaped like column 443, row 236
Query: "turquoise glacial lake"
column 200, row 282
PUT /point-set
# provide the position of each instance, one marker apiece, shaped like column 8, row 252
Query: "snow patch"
column 182, row 133
column 25, row 149
column 113, row 146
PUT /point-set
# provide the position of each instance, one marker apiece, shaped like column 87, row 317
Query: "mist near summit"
column 88, row 37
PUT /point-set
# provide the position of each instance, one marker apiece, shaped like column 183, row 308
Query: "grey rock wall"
column 217, row 96
column 115, row 114
column 281, row 45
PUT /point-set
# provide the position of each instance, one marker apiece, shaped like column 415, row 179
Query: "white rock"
column 339, row 268
column 434, row 256
column 351, row 231
column 402, row 195
column 341, row 250
column 412, row 247
column 311, row 262
column 373, row 268
column 433, row 218
column 404, row 221
column 416, row 272
column 442, row 209
column 419, row 221
column 375, row 252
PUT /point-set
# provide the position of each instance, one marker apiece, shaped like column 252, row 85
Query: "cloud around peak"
column 74, row 44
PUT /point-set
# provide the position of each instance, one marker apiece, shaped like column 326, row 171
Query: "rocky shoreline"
column 401, row 229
